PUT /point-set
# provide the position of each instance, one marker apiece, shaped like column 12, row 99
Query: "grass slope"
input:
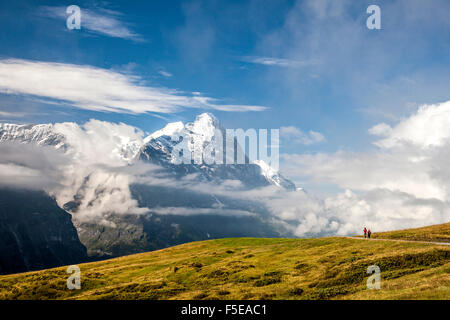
column 250, row 268
column 436, row 233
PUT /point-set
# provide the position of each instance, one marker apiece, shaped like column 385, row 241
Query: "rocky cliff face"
column 35, row 233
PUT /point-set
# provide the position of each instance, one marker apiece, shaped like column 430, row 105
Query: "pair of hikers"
column 367, row 233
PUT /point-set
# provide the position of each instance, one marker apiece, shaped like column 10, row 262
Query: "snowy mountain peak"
column 203, row 129
column 205, row 121
column 171, row 130
column 41, row 134
column 204, row 125
column 118, row 144
column 200, row 135
column 197, row 134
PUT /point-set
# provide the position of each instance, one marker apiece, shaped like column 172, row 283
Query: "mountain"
column 199, row 135
column 41, row 134
column 35, row 233
column 175, row 216
column 157, row 148
column 250, row 268
column 176, row 213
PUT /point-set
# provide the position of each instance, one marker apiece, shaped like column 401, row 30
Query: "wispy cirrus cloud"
column 7, row 114
column 279, row 62
column 101, row 21
column 165, row 73
column 97, row 89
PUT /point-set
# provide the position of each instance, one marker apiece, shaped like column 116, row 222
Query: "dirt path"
column 398, row 240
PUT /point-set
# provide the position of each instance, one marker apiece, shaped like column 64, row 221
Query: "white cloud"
column 30, row 166
column 279, row 62
column 294, row 135
column 97, row 89
column 92, row 169
column 99, row 191
column 100, row 21
column 381, row 129
column 405, row 182
column 98, row 175
column 185, row 211
column 403, row 170
column 430, row 126
column 101, row 142
column 165, row 73
column 9, row 115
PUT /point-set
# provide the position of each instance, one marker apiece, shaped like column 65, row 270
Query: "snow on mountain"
column 199, row 135
column 273, row 176
column 203, row 128
column 170, row 130
column 41, row 134
column 118, row 144
column 107, row 199
column 96, row 139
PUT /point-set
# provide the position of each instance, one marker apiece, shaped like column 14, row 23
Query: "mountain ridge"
column 200, row 131
column 173, row 214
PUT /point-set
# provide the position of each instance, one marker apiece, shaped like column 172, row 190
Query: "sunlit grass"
column 249, row 268
column 436, row 233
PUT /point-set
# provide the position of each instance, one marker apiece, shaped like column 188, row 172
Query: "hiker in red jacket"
column 365, row 232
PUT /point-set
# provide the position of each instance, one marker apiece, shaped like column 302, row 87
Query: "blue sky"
column 364, row 115
column 312, row 65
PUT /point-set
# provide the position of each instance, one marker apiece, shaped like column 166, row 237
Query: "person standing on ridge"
column 369, row 233
column 365, row 232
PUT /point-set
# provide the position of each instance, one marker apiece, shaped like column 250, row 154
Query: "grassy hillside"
column 250, row 268
column 436, row 233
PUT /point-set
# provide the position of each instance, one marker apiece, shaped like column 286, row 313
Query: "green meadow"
column 254, row 268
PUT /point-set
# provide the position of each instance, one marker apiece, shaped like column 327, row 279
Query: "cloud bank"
column 403, row 182
column 30, row 166
column 89, row 169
